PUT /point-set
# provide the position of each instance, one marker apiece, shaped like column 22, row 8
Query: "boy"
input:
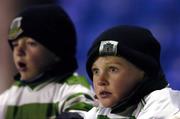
column 124, row 64
column 43, row 41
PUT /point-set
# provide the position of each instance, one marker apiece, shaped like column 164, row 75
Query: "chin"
column 107, row 105
column 27, row 77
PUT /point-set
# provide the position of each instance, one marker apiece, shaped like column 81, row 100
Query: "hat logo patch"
column 108, row 47
column 15, row 28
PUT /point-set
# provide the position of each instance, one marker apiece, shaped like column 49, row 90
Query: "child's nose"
column 102, row 81
column 20, row 50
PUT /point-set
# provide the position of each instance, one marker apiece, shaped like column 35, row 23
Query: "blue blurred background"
column 92, row 17
column 162, row 17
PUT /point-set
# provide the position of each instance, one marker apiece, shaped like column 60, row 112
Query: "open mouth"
column 105, row 94
column 22, row 66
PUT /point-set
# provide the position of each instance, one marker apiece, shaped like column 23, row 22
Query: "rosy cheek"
column 119, row 83
column 119, row 88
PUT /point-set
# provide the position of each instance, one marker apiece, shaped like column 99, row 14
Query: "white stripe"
column 53, row 92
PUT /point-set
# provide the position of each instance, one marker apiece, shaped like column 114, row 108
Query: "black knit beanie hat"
column 138, row 46
column 50, row 26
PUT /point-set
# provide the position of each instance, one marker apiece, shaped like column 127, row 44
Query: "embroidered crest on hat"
column 108, row 47
column 15, row 28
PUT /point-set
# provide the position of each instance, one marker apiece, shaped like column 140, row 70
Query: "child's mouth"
column 105, row 94
column 22, row 66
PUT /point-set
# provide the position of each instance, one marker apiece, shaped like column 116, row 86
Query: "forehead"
column 107, row 60
column 24, row 39
column 103, row 62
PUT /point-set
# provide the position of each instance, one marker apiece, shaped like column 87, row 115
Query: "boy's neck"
column 33, row 79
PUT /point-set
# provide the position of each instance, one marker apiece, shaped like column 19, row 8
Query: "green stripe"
column 102, row 117
column 80, row 106
column 77, row 104
column 17, row 83
column 32, row 111
column 79, row 94
column 78, row 80
column 132, row 117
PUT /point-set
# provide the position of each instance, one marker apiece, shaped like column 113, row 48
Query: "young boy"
column 43, row 41
column 124, row 64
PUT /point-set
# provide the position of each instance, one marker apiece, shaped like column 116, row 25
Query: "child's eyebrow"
column 108, row 64
column 14, row 41
column 93, row 66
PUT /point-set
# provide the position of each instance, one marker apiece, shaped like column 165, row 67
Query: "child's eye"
column 113, row 69
column 14, row 44
column 95, row 71
column 33, row 44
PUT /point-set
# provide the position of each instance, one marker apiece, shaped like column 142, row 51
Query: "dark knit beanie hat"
column 50, row 26
column 135, row 44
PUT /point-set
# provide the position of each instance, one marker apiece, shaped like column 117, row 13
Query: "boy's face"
column 113, row 78
column 30, row 57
